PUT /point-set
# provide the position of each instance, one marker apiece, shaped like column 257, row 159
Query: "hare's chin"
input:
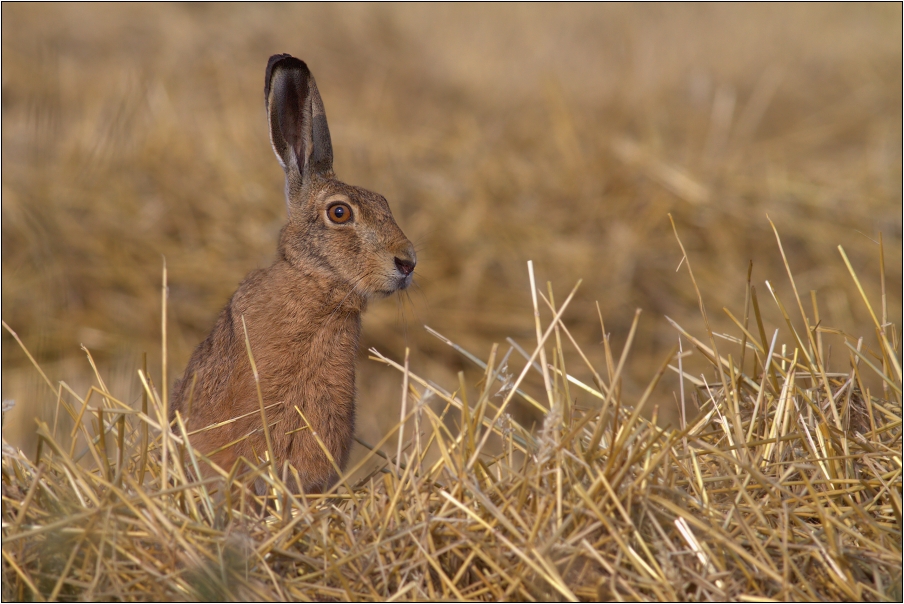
column 395, row 285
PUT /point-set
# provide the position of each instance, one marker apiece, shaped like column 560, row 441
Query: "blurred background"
column 562, row 134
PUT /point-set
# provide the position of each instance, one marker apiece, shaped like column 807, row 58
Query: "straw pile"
column 782, row 481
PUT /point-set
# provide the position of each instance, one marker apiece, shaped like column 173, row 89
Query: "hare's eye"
column 339, row 213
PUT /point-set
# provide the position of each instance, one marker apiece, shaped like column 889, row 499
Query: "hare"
column 340, row 248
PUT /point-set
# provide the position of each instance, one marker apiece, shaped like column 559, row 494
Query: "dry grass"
column 783, row 483
column 565, row 134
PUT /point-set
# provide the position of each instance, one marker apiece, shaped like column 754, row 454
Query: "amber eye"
column 339, row 213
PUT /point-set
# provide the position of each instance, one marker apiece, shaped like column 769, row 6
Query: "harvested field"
column 781, row 483
column 693, row 453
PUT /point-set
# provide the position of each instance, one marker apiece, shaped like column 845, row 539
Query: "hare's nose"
column 406, row 267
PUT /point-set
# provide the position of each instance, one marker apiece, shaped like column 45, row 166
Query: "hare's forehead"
column 364, row 200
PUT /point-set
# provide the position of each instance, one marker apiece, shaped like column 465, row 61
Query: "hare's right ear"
column 298, row 129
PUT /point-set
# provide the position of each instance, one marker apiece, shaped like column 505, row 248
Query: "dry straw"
column 782, row 481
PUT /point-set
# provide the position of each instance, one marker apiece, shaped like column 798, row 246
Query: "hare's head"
column 344, row 232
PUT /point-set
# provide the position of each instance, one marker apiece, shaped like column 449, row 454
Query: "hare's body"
column 302, row 314
column 304, row 361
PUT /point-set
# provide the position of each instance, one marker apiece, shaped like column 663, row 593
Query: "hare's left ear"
column 298, row 129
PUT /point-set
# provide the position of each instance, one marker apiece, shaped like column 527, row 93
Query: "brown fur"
column 303, row 313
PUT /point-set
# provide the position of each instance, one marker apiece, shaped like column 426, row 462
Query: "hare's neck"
column 290, row 311
column 311, row 300
column 305, row 344
column 326, row 297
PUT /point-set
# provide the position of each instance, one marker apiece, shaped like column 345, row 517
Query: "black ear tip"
column 282, row 61
column 277, row 58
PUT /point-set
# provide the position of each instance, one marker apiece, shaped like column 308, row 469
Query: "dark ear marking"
column 298, row 128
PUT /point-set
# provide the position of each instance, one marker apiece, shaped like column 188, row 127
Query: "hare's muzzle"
column 405, row 269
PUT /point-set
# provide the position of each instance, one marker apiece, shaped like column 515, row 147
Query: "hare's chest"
column 311, row 362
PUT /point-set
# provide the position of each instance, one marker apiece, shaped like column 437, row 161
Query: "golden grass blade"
column 882, row 375
column 483, row 366
column 164, row 413
column 260, row 400
column 544, row 368
column 880, row 327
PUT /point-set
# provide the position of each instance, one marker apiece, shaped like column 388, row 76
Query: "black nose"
column 406, row 267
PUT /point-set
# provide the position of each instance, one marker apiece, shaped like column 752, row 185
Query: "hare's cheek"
column 344, row 245
column 376, row 278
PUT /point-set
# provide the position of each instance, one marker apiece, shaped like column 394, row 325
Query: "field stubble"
column 566, row 135
column 561, row 135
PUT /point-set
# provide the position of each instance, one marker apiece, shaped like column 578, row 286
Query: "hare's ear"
column 298, row 129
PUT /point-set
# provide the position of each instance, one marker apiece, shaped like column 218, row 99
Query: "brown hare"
column 340, row 248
